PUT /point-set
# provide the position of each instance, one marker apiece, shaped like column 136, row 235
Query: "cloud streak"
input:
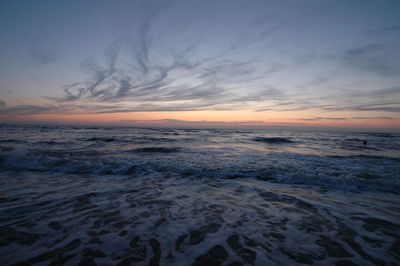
column 319, row 118
column 374, row 57
column 41, row 56
column 27, row 110
column 189, row 122
column 389, row 29
column 206, row 123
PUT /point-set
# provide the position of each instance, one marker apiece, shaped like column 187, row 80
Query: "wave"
column 154, row 139
column 354, row 140
column 101, row 139
column 52, row 142
column 362, row 156
column 158, row 150
column 383, row 135
column 6, row 149
column 275, row 140
column 143, row 140
column 336, row 172
column 13, row 141
column 64, row 153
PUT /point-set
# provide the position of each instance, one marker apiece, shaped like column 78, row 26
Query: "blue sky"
column 289, row 60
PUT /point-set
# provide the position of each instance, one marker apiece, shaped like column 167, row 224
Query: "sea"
column 104, row 195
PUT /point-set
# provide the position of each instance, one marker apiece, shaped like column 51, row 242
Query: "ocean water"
column 146, row 196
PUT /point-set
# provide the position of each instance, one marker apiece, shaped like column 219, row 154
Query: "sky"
column 299, row 63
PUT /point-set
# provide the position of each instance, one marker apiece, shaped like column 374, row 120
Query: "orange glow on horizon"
column 212, row 118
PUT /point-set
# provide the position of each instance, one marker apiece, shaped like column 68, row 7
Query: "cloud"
column 364, row 50
column 2, row 103
column 343, row 100
column 318, row 118
column 389, row 29
column 332, row 106
column 182, row 79
column 263, row 109
column 205, row 123
column 374, row 57
column 316, row 82
column 177, row 80
column 330, row 118
column 365, row 107
column 322, row 118
column 41, row 56
column 374, row 108
column 27, row 110
column 188, row 122
column 373, row 117
column 393, row 91
column 372, row 97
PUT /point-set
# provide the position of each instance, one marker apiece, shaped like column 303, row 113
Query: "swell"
column 157, row 150
column 141, row 139
column 275, row 140
column 12, row 141
column 363, row 156
column 52, row 142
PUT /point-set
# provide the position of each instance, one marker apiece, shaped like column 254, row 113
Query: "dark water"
column 106, row 195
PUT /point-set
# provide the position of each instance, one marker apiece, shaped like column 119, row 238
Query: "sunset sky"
column 295, row 63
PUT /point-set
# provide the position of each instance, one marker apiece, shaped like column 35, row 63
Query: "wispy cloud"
column 391, row 92
column 389, row 29
column 42, row 56
column 132, row 72
column 373, row 117
column 319, row 118
column 383, row 100
column 322, row 118
column 189, row 122
column 27, row 110
column 374, row 57
column 206, row 123
column 383, row 107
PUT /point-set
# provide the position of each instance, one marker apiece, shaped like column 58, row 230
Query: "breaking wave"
column 339, row 172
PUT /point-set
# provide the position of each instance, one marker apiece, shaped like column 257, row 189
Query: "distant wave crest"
column 158, row 150
column 276, row 140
